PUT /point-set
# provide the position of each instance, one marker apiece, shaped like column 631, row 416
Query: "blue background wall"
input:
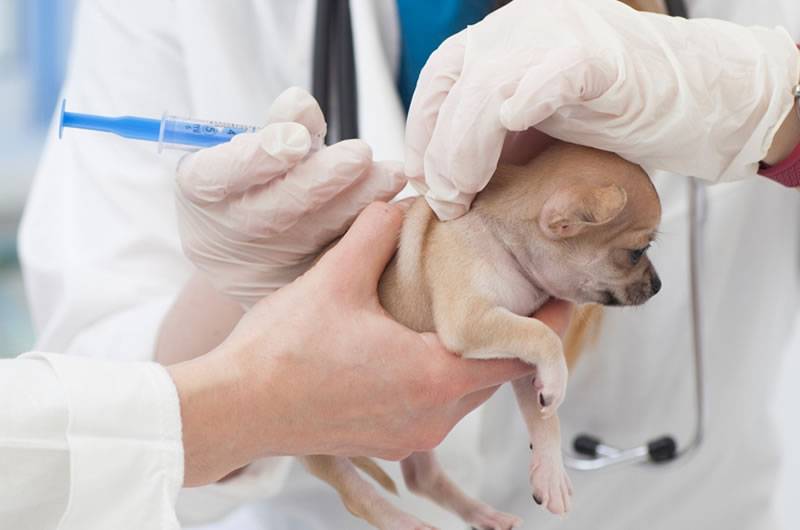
column 34, row 44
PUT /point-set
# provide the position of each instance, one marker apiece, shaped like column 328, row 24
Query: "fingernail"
column 405, row 204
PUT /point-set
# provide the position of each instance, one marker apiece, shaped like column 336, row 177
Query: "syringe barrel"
column 191, row 134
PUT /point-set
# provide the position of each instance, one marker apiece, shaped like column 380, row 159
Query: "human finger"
column 436, row 78
column 382, row 182
column 249, row 159
column 296, row 105
column 464, row 147
column 560, row 77
column 275, row 207
column 557, row 314
column 477, row 374
column 369, row 244
column 474, row 118
column 474, row 400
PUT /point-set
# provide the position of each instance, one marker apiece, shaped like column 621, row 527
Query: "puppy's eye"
column 637, row 254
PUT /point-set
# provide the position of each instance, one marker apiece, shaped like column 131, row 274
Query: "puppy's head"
column 598, row 220
column 586, row 219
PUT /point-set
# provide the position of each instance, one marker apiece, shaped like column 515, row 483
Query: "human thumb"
column 369, row 244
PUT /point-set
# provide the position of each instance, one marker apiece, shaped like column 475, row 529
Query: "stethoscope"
column 334, row 62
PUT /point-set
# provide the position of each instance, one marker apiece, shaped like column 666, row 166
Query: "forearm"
column 197, row 322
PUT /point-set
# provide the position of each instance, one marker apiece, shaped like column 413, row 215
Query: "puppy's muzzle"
column 635, row 293
column 655, row 283
column 641, row 291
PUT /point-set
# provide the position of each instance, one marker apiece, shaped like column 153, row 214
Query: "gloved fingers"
column 473, row 120
column 382, row 182
column 437, row 77
column 248, row 160
column 464, row 148
column 317, row 182
column 267, row 210
column 563, row 76
column 296, row 105
column 223, row 248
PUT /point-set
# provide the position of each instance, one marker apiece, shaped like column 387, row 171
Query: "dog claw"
column 550, row 383
column 536, row 499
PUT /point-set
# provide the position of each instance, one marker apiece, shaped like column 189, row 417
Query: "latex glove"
column 253, row 213
column 700, row 97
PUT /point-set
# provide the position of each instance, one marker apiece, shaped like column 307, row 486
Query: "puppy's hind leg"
column 424, row 476
column 359, row 496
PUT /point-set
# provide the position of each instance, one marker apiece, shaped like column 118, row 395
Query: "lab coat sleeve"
column 88, row 444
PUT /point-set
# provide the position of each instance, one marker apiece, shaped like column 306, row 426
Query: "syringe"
column 169, row 131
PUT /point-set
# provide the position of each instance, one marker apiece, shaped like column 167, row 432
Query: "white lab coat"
column 88, row 444
column 103, row 264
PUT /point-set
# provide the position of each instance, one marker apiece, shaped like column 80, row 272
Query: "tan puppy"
column 574, row 224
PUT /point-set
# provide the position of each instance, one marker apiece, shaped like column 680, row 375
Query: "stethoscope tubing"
column 334, row 61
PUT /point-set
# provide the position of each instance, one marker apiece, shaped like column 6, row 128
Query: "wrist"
column 782, row 162
column 210, row 403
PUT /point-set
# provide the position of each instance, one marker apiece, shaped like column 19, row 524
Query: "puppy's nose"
column 655, row 284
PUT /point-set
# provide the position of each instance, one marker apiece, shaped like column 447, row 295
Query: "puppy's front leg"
column 480, row 330
column 551, row 485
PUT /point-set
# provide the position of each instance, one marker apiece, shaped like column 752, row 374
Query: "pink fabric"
column 786, row 172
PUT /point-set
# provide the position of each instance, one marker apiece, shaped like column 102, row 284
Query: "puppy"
column 575, row 223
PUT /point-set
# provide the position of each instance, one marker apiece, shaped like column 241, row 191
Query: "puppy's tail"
column 371, row 468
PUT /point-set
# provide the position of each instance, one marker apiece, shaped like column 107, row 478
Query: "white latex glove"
column 697, row 97
column 253, row 213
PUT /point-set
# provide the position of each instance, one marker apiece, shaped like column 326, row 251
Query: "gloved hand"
column 697, row 97
column 253, row 213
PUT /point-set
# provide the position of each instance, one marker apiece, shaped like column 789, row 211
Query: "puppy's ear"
column 568, row 211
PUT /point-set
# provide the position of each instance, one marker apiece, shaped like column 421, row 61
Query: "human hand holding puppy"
column 318, row 367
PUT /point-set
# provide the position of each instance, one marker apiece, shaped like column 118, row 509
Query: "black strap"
column 677, row 8
column 334, row 61
column 320, row 74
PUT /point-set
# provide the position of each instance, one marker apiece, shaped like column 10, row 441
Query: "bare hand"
column 320, row 368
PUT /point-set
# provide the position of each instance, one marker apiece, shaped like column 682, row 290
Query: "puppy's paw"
column 484, row 517
column 552, row 488
column 550, row 383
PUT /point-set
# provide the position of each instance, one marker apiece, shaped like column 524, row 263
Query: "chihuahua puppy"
column 575, row 223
